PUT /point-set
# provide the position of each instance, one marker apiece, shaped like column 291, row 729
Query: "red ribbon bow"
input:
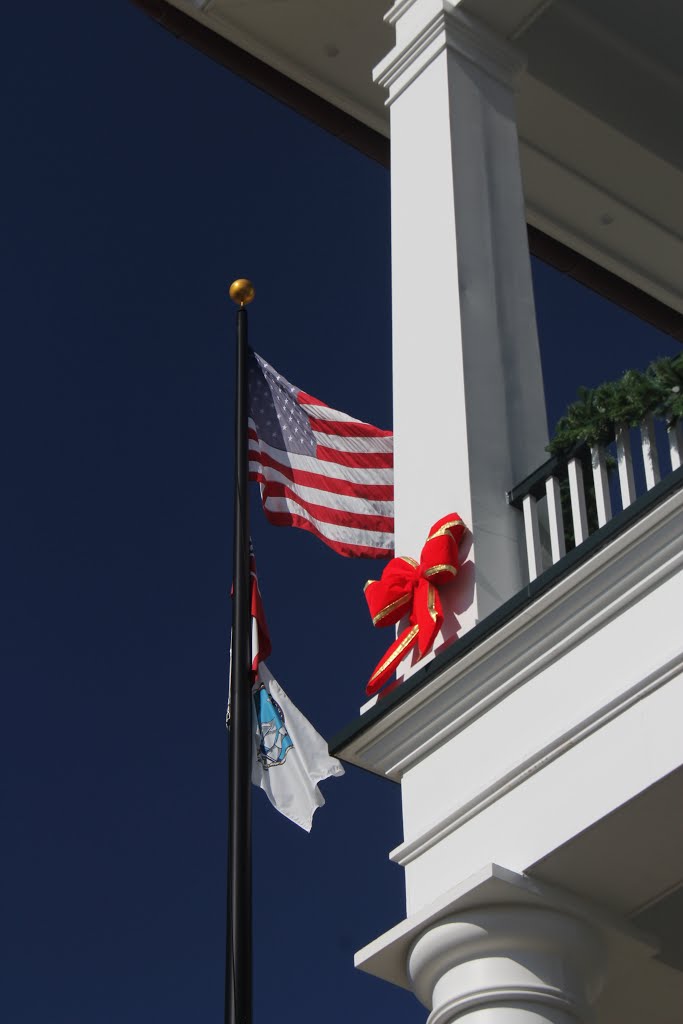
column 406, row 584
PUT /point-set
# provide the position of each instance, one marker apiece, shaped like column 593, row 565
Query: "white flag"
column 290, row 758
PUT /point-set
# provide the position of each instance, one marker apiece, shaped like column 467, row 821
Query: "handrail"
column 565, row 482
column 534, row 483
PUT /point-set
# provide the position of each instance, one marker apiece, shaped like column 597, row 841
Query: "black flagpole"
column 238, row 964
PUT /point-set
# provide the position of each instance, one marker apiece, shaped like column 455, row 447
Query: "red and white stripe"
column 260, row 636
column 344, row 495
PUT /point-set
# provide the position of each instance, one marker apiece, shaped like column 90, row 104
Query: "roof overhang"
column 602, row 159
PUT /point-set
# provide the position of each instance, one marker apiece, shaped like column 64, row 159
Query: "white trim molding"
column 454, row 30
column 635, row 563
column 388, row 956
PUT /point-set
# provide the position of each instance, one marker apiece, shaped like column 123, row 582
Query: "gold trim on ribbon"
column 405, row 599
column 407, row 640
column 409, row 560
column 440, row 568
column 445, row 528
column 399, row 558
column 396, row 653
column 431, row 602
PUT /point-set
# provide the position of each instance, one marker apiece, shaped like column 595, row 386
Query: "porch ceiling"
column 599, row 106
column 631, row 859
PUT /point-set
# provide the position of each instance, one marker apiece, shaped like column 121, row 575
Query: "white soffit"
column 602, row 158
column 611, row 862
column 327, row 46
column 599, row 108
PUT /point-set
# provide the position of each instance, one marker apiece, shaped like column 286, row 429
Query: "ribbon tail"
column 390, row 662
column 429, row 616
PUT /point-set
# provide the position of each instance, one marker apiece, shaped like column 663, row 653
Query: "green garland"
column 597, row 412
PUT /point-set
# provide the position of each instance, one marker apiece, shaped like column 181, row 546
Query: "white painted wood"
column 650, row 454
column 675, row 434
column 578, row 501
column 555, row 519
column 494, row 886
column 533, row 537
column 468, row 967
column 591, row 694
column 569, row 150
column 546, row 731
column 627, row 483
column 584, row 605
column 636, row 764
column 461, row 284
column 603, row 501
column 554, row 183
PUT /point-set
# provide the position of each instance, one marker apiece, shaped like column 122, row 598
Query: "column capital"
column 397, row 10
column 511, row 957
column 425, row 28
column 501, row 946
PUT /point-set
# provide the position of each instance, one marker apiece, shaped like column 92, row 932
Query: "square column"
column 469, row 409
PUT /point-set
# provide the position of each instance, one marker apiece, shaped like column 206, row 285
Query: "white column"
column 507, row 965
column 469, row 410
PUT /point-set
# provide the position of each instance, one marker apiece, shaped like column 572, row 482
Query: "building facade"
column 540, row 757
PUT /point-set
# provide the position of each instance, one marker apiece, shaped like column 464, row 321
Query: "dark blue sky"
column 139, row 179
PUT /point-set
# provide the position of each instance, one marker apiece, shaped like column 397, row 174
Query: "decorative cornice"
column 483, row 47
column 461, row 34
column 540, row 759
column 399, row 8
column 495, row 886
column 632, row 564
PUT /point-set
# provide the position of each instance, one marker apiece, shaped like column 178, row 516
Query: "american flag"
column 320, row 469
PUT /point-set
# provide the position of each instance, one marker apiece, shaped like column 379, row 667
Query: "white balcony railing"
column 569, row 497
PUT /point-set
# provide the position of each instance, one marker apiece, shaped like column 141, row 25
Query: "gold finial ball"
column 242, row 291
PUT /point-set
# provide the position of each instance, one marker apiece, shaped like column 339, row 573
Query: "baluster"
column 675, row 434
column 625, row 462
column 650, row 456
column 603, row 501
column 533, row 538
column 578, row 499
column 555, row 520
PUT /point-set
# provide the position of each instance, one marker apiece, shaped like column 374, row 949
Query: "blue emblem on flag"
column 275, row 741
